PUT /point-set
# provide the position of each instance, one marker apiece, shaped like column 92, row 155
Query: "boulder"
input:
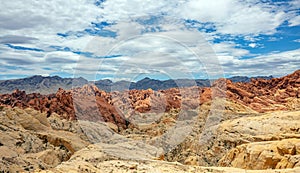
column 264, row 155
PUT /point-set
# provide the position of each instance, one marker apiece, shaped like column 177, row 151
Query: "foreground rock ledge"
column 264, row 155
column 126, row 166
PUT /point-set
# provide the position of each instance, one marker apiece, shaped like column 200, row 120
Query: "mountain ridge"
column 50, row 84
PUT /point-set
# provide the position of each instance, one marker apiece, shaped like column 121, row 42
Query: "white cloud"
column 229, row 49
column 252, row 45
column 277, row 64
column 294, row 21
column 47, row 16
column 127, row 29
column 297, row 40
column 41, row 21
column 123, row 10
column 207, row 11
column 175, row 53
column 235, row 17
column 228, row 16
column 294, row 4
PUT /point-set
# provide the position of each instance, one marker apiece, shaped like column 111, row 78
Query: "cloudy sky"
column 131, row 39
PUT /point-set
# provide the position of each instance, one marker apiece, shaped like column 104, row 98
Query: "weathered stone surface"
column 125, row 166
column 210, row 143
column 264, row 155
column 27, row 141
column 131, row 157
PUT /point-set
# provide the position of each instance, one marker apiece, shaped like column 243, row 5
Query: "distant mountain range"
column 41, row 84
column 50, row 84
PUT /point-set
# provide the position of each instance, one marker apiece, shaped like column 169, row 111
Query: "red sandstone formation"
column 90, row 103
column 266, row 95
column 93, row 104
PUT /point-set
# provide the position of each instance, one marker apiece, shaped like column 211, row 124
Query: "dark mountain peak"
column 32, row 80
column 41, row 84
column 104, row 81
column 34, row 77
column 247, row 79
column 263, row 77
column 80, row 78
column 145, row 79
column 40, row 78
column 53, row 77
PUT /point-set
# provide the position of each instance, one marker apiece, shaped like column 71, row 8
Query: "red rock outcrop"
column 93, row 104
column 62, row 103
column 156, row 101
column 266, row 95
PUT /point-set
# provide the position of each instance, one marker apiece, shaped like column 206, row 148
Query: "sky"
column 133, row 39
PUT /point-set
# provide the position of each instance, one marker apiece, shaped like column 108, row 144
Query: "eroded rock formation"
column 264, row 155
column 251, row 125
column 29, row 142
column 267, row 95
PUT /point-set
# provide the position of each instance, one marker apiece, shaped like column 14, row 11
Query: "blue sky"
column 131, row 39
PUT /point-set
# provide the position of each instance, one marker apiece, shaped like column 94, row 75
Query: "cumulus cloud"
column 122, row 10
column 235, row 17
column 294, row 4
column 177, row 54
column 52, row 16
column 43, row 20
column 229, row 48
column 294, row 21
column 277, row 64
column 253, row 45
